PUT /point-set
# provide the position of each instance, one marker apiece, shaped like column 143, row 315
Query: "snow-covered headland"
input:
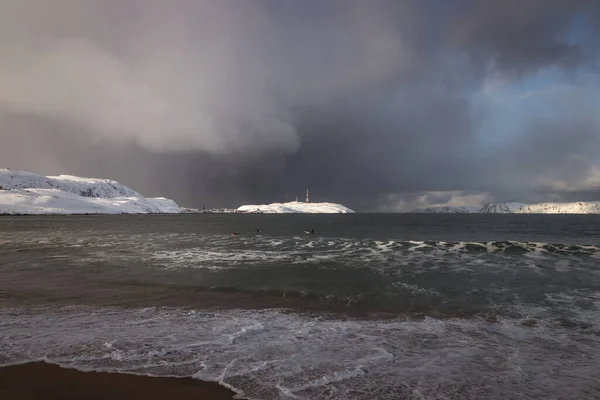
column 24, row 192
column 296, row 207
column 580, row 207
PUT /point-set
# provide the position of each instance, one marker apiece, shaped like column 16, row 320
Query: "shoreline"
column 87, row 214
column 44, row 381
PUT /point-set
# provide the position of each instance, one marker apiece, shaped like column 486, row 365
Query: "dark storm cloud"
column 523, row 35
column 225, row 102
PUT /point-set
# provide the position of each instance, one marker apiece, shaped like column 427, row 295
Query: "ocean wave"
column 259, row 248
column 272, row 354
column 436, row 278
column 215, row 254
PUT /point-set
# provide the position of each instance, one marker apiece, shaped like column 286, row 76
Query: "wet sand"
column 37, row 381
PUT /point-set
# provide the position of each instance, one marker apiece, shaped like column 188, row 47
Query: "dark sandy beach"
column 37, row 381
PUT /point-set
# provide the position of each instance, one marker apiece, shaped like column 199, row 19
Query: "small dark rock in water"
column 566, row 323
column 529, row 322
column 492, row 319
column 419, row 317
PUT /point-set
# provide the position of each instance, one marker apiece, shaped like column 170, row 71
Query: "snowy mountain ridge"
column 28, row 193
column 85, row 187
column 580, row 207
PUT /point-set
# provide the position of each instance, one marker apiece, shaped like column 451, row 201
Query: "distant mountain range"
column 580, row 207
column 24, row 192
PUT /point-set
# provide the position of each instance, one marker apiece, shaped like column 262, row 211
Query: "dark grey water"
column 371, row 306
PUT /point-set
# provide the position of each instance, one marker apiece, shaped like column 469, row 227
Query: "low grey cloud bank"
column 365, row 103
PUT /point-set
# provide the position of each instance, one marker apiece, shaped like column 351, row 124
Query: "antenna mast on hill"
column 308, row 201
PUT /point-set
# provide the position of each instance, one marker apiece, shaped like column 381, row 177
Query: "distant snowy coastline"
column 296, row 207
column 580, row 207
column 24, row 192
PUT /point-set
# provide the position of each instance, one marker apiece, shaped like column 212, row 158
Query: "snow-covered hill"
column 85, row 187
column 27, row 193
column 296, row 207
column 580, row 207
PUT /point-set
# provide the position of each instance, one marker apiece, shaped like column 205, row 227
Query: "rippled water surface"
column 371, row 306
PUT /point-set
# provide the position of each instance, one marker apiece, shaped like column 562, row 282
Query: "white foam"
column 412, row 288
column 377, row 255
column 252, row 328
column 215, row 259
column 312, row 358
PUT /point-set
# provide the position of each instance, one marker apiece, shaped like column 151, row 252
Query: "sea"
column 372, row 306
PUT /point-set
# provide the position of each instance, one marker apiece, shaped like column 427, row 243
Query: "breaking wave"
column 460, row 320
column 218, row 253
column 435, row 278
column 271, row 354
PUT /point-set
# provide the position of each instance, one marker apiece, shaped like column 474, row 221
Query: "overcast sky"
column 378, row 105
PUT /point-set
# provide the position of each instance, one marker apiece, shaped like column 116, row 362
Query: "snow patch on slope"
column 580, row 207
column 27, row 193
column 502, row 208
column 296, row 207
column 165, row 205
